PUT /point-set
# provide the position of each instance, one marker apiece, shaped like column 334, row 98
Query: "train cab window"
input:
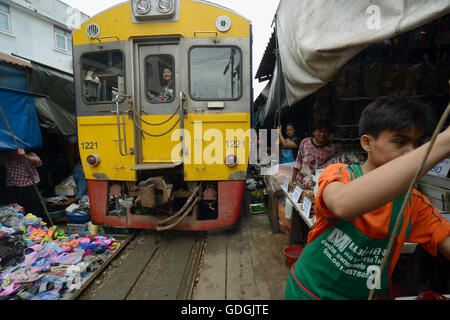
column 160, row 78
column 103, row 75
column 215, row 73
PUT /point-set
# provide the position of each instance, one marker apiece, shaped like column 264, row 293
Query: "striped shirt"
column 16, row 171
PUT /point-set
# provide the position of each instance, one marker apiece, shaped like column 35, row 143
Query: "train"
column 163, row 94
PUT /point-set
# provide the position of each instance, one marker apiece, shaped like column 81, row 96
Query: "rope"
column 155, row 135
column 27, row 165
column 133, row 111
column 155, row 124
column 414, row 181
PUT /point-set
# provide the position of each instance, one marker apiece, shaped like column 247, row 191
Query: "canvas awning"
column 21, row 116
column 57, row 110
column 316, row 38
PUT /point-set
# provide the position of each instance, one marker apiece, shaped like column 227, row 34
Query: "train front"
column 163, row 93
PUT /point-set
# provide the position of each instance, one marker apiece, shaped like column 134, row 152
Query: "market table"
column 301, row 222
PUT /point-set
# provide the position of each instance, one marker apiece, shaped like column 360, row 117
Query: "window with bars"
column 63, row 40
column 5, row 18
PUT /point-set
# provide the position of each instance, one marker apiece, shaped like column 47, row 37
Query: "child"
column 290, row 145
column 357, row 205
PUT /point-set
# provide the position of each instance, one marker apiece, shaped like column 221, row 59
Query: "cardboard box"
column 65, row 191
column 437, row 190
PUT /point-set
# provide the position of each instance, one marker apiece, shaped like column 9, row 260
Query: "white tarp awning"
column 317, row 37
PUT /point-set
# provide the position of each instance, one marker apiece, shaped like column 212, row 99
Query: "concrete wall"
column 33, row 31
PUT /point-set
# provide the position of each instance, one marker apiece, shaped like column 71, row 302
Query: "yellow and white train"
column 164, row 96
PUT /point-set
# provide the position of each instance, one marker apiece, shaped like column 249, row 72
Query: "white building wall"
column 33, row 31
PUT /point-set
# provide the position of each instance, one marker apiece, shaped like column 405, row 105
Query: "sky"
column 260, row 13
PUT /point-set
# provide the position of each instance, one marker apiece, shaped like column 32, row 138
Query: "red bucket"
column 292, row 253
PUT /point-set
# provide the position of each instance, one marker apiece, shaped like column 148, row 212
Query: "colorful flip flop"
column 10, row 290
column 70, row 258
column 24, row 275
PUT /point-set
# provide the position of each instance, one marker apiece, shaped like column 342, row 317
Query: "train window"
column 103, row 75
column 160, row 78
column 215, row 73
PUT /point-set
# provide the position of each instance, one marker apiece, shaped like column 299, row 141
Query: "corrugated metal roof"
column 13, row 60
column 267, row 65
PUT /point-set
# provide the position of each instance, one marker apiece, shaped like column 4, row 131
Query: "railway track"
column 149, row 265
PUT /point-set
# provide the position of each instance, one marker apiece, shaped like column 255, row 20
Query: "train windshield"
column 215, row 73
column 160, row 78
column 103, row 75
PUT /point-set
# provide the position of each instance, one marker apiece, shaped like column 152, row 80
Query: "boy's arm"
column 383, row 184
column 444, row 248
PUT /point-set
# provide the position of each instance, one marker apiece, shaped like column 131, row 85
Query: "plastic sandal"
column 46, row 286
column 69, row 243
column 24, row 275
column 70, row 258
column 10, row 290
column 84, row 240
column 46, row 296
column 40, row 266
column 37, row 233
column 24, row 294
column 31, row 254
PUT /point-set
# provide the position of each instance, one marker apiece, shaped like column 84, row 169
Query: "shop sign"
column 285, row 185
column 297, row 193
column 441, row 169
column 306, row 208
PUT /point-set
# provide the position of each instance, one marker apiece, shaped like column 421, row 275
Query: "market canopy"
column 20, row 112
column 57, row 109
column 316, row 38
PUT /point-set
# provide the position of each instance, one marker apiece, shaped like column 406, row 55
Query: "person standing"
column 289, row 146
column 313, row 153
column 19, row 184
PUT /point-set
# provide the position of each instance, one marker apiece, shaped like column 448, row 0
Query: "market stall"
column 41, row 262
column 330, row 73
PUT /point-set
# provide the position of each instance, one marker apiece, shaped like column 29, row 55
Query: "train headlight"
column 165, row 6
column 143, row 6
column 93, row 160
column 223, row 23
column 231, row 160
